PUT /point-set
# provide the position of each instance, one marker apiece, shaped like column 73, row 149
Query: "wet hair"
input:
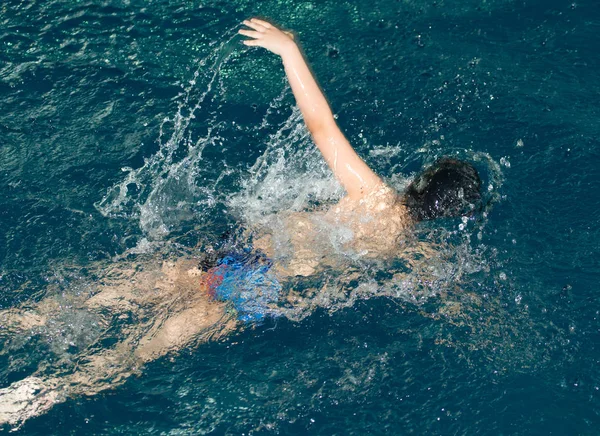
column 448, row 188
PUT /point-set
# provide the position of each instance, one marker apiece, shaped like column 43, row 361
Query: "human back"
column 372, row 220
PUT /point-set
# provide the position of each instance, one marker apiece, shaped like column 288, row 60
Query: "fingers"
column 250, row 33
column 261, row 22
column 255, row 25
column 266, row 35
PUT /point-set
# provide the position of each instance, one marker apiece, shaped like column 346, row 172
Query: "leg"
column 15, row 319
column 179, row 314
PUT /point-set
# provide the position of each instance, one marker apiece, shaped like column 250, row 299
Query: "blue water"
column 101, row 158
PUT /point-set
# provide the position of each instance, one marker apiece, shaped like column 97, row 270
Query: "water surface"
column 135, row 127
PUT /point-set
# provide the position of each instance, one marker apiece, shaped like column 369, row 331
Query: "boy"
column 168, row 297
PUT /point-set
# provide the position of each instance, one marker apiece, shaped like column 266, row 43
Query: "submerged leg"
column 16, row 319
column 178, row 314
column 26, row 398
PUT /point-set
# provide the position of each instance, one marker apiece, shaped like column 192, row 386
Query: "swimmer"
column 175, row 304
column 378, row 218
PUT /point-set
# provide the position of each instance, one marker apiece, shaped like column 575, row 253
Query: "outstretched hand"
column 268, row 36
column 354, row 174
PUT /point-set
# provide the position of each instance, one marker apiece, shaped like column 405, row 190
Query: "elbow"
column 321, row 127
column 315, row 129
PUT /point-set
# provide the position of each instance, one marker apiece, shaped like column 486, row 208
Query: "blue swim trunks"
column 247, row 283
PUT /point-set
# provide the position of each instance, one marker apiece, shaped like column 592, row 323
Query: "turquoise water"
column 133, row 128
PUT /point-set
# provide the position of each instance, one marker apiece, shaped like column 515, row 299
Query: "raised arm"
column 353, row 173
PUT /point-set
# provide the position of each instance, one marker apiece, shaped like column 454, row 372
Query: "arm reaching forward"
column 353, row 173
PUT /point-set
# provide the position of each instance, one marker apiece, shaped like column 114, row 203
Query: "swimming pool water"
column 161, row 99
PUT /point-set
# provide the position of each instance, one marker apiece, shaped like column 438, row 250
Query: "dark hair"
column 448, row 188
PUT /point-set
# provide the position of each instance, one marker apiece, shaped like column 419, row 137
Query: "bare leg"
column 115, row 290
column 15, row 319
column 178, row 313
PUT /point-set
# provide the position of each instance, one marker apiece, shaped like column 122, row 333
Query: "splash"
column 289, row 176
column 184, row 182
column 164, row 192
column 193, row 176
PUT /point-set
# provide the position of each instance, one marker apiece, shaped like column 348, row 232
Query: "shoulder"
column 377, row 200
column 381, row 198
